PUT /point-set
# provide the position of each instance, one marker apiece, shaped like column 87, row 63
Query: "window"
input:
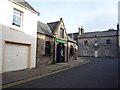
column 47, row 48
column 61, row 32
column 85, row 42
column 71, row 50
column 108, row 41
column 107, row 52
column 17, row 18
column 73, row 36
column 96, row 43
column 85, row 52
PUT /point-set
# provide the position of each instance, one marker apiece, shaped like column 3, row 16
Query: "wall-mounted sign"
column 61, row 41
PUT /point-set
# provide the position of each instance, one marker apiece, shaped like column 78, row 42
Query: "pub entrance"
column 60, row 55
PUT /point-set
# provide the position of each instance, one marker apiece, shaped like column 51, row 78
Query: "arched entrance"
column 60, row 55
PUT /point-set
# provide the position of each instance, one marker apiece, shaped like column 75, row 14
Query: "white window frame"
column 85, row 52
column 20, row 16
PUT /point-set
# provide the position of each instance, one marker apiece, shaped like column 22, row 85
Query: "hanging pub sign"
column 61, row 41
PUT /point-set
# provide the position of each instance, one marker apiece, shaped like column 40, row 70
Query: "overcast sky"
column 93, row 15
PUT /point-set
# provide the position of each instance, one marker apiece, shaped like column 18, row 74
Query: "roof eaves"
column 34, row 11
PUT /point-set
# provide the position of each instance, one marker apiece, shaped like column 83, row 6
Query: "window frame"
column 107, row 42
column 47, row 48
column 96, row 43
column 84, row 42
column 71, row 50
column 85, row 52
column 61, row 33
column 19, row 16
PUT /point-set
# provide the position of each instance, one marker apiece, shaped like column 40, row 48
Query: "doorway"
column 60, row 53
column 96, row 53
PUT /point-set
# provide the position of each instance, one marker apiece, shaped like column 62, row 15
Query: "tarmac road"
column 99, row 73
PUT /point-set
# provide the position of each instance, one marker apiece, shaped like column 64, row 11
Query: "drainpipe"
column 54, row 49
column 67, row 49
column 118, row 41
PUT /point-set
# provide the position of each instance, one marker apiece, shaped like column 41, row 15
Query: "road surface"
column 99, row 73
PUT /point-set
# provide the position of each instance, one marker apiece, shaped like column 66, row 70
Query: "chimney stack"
column 81, row 30
column 61, row 19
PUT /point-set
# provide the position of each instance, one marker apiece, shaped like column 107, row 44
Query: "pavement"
column 14, row 76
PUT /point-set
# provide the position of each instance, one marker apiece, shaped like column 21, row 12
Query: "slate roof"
column 53, row 25
column 44, row 29
column 71, row 40
column 99, row 34
column 25, row 4
column 75, row 35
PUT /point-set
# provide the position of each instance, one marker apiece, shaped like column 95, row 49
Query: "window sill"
column 16, row 29
column 13, row 27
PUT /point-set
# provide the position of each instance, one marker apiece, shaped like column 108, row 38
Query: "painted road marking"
column 36, row 77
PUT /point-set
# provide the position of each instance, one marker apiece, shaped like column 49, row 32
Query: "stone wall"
column 41, row 57
column 103, row 51
column 57, row 35
column 71, row 57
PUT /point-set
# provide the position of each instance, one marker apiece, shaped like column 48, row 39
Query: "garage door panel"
column 16, row 57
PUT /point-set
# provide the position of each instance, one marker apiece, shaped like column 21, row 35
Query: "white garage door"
column 15, row 57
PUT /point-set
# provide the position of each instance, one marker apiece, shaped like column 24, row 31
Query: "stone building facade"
column 74, row 36
column 72, row 49
column 98, row 44
column 45, row 44
column 53, row 43
column 60, row 41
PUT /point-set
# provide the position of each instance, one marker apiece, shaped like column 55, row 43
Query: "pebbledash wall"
column 25, row 35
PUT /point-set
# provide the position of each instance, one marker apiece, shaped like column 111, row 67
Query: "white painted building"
column 18, row 32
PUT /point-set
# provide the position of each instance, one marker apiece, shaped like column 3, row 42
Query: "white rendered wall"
column 27, row 34
column 1, row 49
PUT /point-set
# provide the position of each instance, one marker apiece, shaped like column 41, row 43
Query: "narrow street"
column 99, row 73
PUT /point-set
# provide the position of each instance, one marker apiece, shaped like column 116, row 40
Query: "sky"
column 93, row 15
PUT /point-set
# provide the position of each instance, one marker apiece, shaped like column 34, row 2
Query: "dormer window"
column 17, row 18
column 61, row 33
